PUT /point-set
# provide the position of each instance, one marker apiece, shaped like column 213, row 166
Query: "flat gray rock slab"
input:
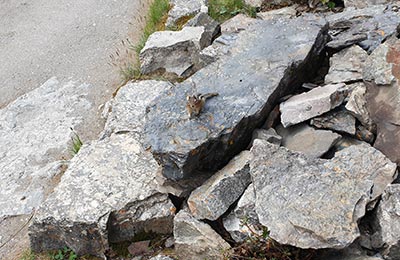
column 35, row 137
column 341, row 121
column 315, row 203
column 346, row 65
column 218, row 193
column 315, row 102
column 195, row 240
column 305, row 139
column 387, row 223
column 366, row 27
column 266, row 61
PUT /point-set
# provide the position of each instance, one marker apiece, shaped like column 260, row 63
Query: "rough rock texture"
column 218, row 193
column 346, row 65
column 35, row 136
column 357, row 104
column 303, row 201
column 364, row 3
column 340, row 120
column 367, row 27
column 382, row 64
column 305, row 139
column 387, row 223
column 247, row 91
column 383, row 103
column 107, row 183
column 269, row 135
column 313, row 103
column 288, row 12
column 163, row 257
column 254, row 3
column 195, row 240
column 175, row 52
column 212, row 27
column 242, row 217
column 182, row 9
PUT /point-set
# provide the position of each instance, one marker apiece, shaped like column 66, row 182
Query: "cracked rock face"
column 367, row 27
column 387, row 223
column 35, row 136
column 263, row 65
column 218, row 193
column 303, row 201
column 195, row 240
column 184, row 8
column 341, row 121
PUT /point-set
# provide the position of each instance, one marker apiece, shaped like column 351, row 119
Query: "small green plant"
column 222, row 10
column 64, row 254
column 28, row 255
column 328, row 3
column 76, row 142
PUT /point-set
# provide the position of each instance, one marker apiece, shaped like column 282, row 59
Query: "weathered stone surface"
column 173, row 51
column 195, row 240
column 211, row 27
column 387, row 223
column 101, row 196
column 367, row 27
column 305, row 139
column 357, row 103
column 254, row 3
column 288, row 12
column 127, row 112
column 346, row 142
column 364, row 3
column 218, row 193
column 107, row 183
column 313, row 103
column 346, row 65
column 315, row 203
column 269, row 135
column 340, row 120
column 247, row 91
column 164, row 257
column 383, row 64
column 242, row 217
column 182, row 9
column 35, row 136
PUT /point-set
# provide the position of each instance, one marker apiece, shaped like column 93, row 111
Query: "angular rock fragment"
column 357, row 103
column 315, row 203
column 211, row 27
column 340, row 120
column 247, row 91
column 269, row 135
column 35, row 140
column 367, row 27
column 196, row 240
column 182, row 9
column 346, row 65
column 218, row 193
column 313, row 103
column 288, row 12
column 387, row 223
column 108, row 182
column 173, row 52
column 243, row 220
column 383, row 65
column 307, row 140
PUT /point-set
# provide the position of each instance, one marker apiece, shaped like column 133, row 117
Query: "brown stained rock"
column 341, row 121
column 139, row 248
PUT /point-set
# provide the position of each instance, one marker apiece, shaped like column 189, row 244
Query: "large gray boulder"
column 305, row 139
column 366, row 27
column 182, row 9
column 346, row 65
column 263, row 65
column 102, row 196
column 387, row 223
column 383, row 102
column 315, row 102
column 315, row 203
column 218, row 193
column 35, row 139
column 195, row 240
column 175, row 52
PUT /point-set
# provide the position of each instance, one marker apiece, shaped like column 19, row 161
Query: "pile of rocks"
column 290, row 145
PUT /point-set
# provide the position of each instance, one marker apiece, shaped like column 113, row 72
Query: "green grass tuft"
column 222, row 10
column 76, row 143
